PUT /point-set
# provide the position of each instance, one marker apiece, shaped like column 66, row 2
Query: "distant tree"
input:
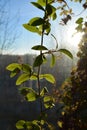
column 75, row 91
column 8, row 33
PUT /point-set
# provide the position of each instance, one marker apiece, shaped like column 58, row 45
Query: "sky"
column 24, row 11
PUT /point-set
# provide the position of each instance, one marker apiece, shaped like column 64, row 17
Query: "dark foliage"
column 75, row 92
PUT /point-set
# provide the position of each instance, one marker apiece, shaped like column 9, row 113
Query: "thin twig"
column 39, row 68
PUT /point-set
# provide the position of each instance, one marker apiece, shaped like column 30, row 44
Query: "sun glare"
column 73, row 38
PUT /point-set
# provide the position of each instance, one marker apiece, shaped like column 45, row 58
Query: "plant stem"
column 39, row 68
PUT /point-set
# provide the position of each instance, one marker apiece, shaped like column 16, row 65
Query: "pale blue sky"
column 25, row 11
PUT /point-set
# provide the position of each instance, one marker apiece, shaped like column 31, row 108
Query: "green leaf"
column 13, row 66
column 38, row 61
column 31, row 28
column 38, row 5
column 47, row 27
column 49, row 9
column 48, row 102
column 49, row 77
column 32, row 96
column 22, row 78
column 14, row 72
column 44, row 59
column 33, row 76
column 42, row 122
column 20, row 124
column 43, row 2
column 50, row 1
column 54, row 16
column 39, row 47
column 44, row 91
column 79, row 20
column 53, row 60
column 26, row 68
column 29, row 93
column 47, row 98
column 33, row 125
column 36, row 21
column 29, row 125
column 24, row 90
column 60, row 124
column 66, row 52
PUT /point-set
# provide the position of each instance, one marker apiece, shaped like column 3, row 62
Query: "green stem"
column 39, row 68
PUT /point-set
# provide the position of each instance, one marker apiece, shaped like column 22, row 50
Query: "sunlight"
column 73, row 37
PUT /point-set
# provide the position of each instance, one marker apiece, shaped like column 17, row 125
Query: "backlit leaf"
column 43, row 2
column 60, row 123
column 28, row 93
column 31, row 28
column 47, row 27
column 50, row 1
column 54, row 16
column 44, row 59
column 20, row 124
column 13, row 66
column 26, row 68
column 49, row 77
column 37, row 5
column 32, row 96
column 66, row 52
column 50, row 9
column 36, row 21
column 79, row 21
column 33, row 125
column 48, row 102
column 14, row 72
column 33, row 77
column 39, row 47
column 24, row 90
column 49, row 105
column 22, row 78
column 38, row 61
column 44, row 91
column 47, row 98
column 29, row 125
